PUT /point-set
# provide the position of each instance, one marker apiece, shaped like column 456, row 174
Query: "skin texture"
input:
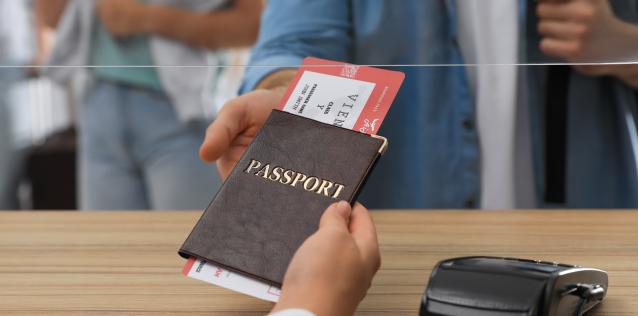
column 587, row 31
column 50, row 11
column 346, row 236
column 575, row 30
column 239, row 121
column 235, row 127
column 236, row 26
column 332, row 271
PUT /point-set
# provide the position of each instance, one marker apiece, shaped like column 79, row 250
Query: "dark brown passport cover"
column 256, row 221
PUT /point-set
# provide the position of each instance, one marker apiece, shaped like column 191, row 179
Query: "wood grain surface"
column 126, row 263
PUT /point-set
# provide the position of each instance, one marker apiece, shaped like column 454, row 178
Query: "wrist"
column 319, row 308
column 148, row 18
column 627, row 41
column 319, row 302
column 278, row 80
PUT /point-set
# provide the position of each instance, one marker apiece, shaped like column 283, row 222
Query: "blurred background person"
column 465, row 137
column 9, row 156
column 140, row 127
column 16, row 48
column 587, row 149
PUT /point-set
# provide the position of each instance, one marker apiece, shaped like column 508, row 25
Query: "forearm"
column 277, row 80
column 627, row 40
column 624, row 55
column 318, row 303
column 49, row 11
column 237, row 26
column 42, row 39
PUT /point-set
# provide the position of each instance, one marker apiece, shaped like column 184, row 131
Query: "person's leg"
column 109, row 177
column 167, row 149
column 5, row 149
column 10, row 157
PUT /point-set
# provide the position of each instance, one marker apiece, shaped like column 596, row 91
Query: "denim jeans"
column 11, row 159
column 136, row 155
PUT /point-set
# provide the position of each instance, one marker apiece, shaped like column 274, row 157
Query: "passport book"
column 274, row 197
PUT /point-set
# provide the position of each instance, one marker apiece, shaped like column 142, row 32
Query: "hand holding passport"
column 337, row 262
column 236, row 126
column 301, row 161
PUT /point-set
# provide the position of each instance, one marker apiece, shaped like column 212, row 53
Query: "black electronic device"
column 482, row 286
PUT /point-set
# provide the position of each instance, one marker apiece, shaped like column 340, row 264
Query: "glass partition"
column 505, row 104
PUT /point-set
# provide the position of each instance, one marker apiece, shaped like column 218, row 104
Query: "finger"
column 576, row 11
column 221, row 133
column 552, row 10
column 365, row 236
column 336, row 216
column 627, row 73
column 562, row 30
column 621, row 71
column 225, row 166
column 594, row 70
column 633, row 81
column 234, row 153
column 633, row 78
column 567, row 49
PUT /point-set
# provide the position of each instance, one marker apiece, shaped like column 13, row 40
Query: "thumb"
column 336, row 216
column 221, row 133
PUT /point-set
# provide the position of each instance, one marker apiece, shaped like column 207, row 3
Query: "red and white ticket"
column 344, row 95
column 210, row 273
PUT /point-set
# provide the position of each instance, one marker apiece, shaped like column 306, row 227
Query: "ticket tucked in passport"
column 344, row 95
column 348, row 96
column 205, row 271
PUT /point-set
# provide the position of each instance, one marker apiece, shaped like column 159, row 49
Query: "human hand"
column 627, row 73
column 580, row 30
column 123, row 17
column 237, row 124
column 332, row 271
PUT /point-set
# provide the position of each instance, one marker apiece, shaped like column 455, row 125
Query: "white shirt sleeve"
column 293, row 312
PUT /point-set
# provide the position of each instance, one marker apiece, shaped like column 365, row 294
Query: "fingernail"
column 344, row 209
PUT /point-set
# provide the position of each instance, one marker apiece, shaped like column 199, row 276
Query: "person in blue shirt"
column 15, row 51
column 10, row 158
column 435, row 159
column 140, row 126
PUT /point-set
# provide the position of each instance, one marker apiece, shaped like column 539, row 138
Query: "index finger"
column 364, row 234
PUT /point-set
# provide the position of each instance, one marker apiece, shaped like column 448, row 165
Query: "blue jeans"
column 136, row 155
column 11, row 159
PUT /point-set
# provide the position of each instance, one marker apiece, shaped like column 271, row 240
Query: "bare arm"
column 278, row 79
column 49, row 11
column 235, row 26
column 587, row 31
column 332, row 271
column 42, row 43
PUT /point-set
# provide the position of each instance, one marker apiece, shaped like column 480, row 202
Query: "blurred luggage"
column 51, row 171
